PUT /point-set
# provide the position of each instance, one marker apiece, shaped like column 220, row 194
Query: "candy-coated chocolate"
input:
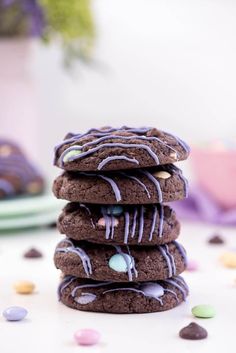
column 203, row 311
column 117, row 262
column 115, row 210
column 102, row 222
column 87, row 337
column 192, row 265
column 24, row 287
column 14, row 313
column 228, row 259
column 70, row 155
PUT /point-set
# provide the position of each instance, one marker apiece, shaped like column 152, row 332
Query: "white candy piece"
column 174, row 156
column 162, row 175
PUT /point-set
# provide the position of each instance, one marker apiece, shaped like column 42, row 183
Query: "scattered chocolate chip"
column 193, row 332
column 216, row 239
column 33, row 254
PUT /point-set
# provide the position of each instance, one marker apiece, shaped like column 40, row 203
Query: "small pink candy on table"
column 87, row 337
column 215, row 172
column 192, row 265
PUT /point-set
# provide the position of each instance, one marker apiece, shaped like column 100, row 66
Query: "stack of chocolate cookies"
column 120, row 254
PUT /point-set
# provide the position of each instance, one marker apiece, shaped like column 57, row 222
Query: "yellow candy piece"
column 228, row 259
column 24, row 287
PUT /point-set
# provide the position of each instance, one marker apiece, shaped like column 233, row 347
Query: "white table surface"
column 50, row 325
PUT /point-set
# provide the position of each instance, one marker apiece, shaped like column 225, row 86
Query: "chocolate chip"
column 193, row 332
column 216, row 239
column 33, row 254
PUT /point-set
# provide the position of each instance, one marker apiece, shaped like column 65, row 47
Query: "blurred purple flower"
column 33, row 11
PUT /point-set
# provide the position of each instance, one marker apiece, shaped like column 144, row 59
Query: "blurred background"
column 80, row 64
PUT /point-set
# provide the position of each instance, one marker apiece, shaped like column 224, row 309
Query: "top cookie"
column 114, row 149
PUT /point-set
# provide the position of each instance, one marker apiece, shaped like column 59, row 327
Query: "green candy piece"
column 70, row 154
column 118, row 263
column 204, row 311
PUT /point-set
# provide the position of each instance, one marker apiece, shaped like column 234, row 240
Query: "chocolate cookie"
column 120, row 263
column 117, row 149
column 156, row 185
column 117, row 225
column 119, row 298
column 17, row 174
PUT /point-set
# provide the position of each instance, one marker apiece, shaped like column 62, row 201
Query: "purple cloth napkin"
column 199, row 206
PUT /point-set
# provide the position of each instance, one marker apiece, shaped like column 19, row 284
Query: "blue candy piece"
column 15, row 313
column 118, row 263
column 71, row 155
column 115, row 210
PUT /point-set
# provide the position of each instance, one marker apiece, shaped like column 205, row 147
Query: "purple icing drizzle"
column 112, row 226
column 182, row 282
column 104, row 135
column 161, row 216
column 138, row 212
column 127, row 257
column 163, row 249
column 182, row 289
column 138, row 181
column 141, row 224
column 176, row 282
column 111, row 145
column 173, row 169
column 89, row 212
column 182, row 251
column 133, row 290
column 108, row 222
column 155, row 182
column 113, row 158
column 114, row 186
column 127, row 222
column 154, row 219
column 172, row 260
column 181, row 142
column 80, row 252
column 134, row 222
column 67, row 280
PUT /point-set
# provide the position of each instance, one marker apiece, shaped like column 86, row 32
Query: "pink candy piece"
column 192, row 265
column 87, row 337
column 102, row 222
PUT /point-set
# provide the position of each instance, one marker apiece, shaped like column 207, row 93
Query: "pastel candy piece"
column 86, row 298
column 5, row 151
column 152, row 290
column 102, row 222
column 87, row 337
column 14, row 313
column 115, row 210
column 24, row 287
column 174, row 156
column 69, row 156
column 203, row 311
column 162, row 174
column 192, row 265
column 228, row 259
column 34, row 187
column 118, row 263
